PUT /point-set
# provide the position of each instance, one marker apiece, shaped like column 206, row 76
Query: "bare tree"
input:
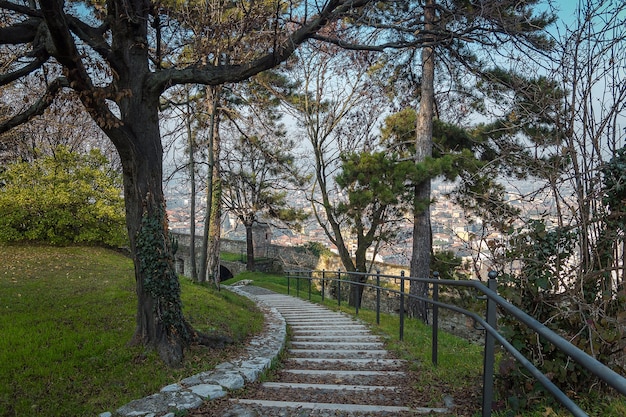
column 259, row 171
column 66, row 125
column 338, row 106
column 209, row 259
column 184, row 123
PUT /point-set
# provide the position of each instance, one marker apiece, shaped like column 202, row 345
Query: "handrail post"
column 310, row 283
column 435, row 319
column 288, row 282
column 378, row 297
column 339, row 287
column 401, row 305
column 357, row 292
column 323, row 283
column 298, row 285
column 489, row 359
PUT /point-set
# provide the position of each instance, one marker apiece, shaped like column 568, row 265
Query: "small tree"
column 374, row 185
column 62, row 199
column 258, row 172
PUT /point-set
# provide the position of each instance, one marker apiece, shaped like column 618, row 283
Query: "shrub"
column 62, row 199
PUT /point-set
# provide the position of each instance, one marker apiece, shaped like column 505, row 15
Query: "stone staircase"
column 333, row 366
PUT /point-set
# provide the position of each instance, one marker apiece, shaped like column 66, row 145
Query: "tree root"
column 212, row 341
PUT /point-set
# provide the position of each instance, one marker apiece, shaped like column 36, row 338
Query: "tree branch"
column 94, row 37
column 65, row 47
column 216, row 75
column 7, row 5
column 18, row 33
column 363, row 47
column 41, row 56
column 38, row 107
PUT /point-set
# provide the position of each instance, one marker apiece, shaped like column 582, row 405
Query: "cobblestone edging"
column 193, row 391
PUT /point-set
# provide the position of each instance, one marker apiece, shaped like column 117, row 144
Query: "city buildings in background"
column 453, row 230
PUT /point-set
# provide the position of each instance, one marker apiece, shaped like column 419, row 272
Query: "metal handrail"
column 606, row 374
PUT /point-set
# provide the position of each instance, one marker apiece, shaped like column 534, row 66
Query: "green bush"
column 316, row 248
column 62, row 199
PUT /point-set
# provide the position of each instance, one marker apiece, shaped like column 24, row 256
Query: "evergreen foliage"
column 62, row 199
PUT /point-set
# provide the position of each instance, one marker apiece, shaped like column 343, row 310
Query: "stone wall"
column 288, row 257
column 269, row 258
column 333, row 263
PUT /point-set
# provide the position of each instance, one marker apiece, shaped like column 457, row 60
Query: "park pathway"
column 332, row 366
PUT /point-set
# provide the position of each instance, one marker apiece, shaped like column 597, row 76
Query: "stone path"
column 333, row 366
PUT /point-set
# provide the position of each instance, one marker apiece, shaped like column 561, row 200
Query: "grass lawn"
column 66, row 317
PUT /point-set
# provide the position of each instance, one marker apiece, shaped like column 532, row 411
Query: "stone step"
column 337, row 396
column 311, row 314
column 368, row 410
column 330, row 332
column 321, row 321
column 338, row 353
column 383, row 378
column 327, row 322
column 373, row 364
column 342, row 372
column 335, row 338
column 355, row 345
column 328, row 325
column 348, row 377
column 328, row 387
column 317, row 311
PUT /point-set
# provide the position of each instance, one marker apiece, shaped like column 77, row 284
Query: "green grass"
column 66, row 317
column 460, row 363
column 277, row 283
column 233, row 257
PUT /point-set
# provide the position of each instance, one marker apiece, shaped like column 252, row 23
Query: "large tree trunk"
column 215, row 229
column 422, row 248
column 357, row 289
column 160, row 322
column 192, row 199
column 212, row 102
column 213, row 257
column 422, row 240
